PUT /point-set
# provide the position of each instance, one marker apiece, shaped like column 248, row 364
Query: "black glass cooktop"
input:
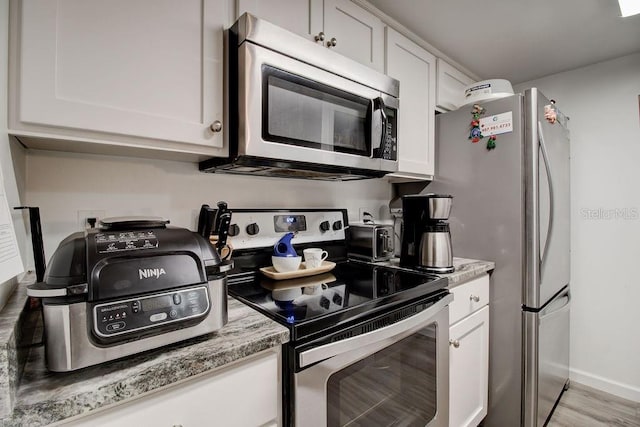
column 351, row 291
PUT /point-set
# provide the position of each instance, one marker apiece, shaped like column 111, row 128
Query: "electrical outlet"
column 362, row 212
column 83, row 215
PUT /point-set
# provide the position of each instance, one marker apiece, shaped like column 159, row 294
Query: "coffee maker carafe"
column 426, row 241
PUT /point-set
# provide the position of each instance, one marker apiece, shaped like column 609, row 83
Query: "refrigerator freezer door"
column 546, row 367
column 547, row 203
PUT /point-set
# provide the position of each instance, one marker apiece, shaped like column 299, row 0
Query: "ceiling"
column 520, row 40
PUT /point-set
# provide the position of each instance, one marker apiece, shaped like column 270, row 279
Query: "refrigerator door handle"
column 560, row 302
column 547, row 166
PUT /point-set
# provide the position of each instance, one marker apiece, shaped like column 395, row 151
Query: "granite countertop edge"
column 43, row 397
column 467, row 269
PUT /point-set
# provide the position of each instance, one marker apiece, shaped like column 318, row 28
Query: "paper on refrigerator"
column 10, row 260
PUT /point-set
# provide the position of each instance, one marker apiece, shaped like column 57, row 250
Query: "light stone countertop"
column 465, row 269
column 44, row 397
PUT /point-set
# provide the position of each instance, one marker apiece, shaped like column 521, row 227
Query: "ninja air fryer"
column 426, row 241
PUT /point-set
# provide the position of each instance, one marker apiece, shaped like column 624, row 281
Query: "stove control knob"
column 337, row 225
column 253, row 229
column 234, row 230
column 325, row 226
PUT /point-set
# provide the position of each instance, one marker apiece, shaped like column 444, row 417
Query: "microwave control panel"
column 390, row 145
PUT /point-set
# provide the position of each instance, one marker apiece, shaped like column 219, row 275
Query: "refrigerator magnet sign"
column 498, row 124
column 489, row 126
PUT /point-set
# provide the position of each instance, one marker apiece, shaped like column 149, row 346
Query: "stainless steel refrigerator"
column 511, row 205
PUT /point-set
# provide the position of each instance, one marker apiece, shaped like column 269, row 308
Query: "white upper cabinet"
column 137, row 73
column 451, row 84
column 294, row 15
column 338, row 24
column 415, row 68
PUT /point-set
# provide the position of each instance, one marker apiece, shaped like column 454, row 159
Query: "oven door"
column 290, row 110
column 395, row 375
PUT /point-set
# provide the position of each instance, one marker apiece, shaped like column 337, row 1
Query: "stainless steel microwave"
column 299, row 110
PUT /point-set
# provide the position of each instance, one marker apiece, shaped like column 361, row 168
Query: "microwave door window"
column 301, row 112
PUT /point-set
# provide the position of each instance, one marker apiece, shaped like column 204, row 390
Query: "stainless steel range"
column 369, row 344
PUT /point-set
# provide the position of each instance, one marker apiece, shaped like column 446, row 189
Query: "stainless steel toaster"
column 372, row 242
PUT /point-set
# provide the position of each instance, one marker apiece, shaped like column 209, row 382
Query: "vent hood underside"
column 248, row 165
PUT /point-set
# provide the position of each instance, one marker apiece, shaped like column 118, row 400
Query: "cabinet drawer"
column 468, row 298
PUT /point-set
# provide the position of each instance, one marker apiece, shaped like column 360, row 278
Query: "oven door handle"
column 412, row 323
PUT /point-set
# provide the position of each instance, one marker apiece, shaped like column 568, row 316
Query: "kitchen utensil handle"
column 547, row 166
column 415, row 322
column 223, row 230
column 202, row 218
column 222, row 208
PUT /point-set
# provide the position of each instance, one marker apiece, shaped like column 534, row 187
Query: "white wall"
column 63, row 183
column 12, row 158
column 602, row 101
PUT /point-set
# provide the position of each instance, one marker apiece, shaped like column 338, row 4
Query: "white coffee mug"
column 313, row 257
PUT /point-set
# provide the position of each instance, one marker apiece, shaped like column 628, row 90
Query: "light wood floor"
column 582, row 406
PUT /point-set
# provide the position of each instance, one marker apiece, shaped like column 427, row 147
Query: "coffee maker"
column 426, row 240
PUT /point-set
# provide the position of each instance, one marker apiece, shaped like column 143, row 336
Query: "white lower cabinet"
column 469, row 354
column 246, row 394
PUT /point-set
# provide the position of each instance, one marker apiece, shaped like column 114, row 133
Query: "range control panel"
column 262, row 228
column 132, row 315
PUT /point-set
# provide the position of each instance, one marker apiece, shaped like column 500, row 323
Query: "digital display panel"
column 285, row 223
column 152, row 304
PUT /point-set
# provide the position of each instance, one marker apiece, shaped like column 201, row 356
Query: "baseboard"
column 626, row 391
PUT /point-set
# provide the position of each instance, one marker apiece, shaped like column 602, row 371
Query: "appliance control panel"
column 262, row 228
column 108, row 242
column 125, row 316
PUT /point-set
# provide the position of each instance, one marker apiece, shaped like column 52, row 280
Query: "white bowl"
column 283, row 264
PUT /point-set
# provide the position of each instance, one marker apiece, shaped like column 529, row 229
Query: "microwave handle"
column 377, row 104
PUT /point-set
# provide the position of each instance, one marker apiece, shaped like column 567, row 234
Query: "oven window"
column 302, row 112
column 396, row 386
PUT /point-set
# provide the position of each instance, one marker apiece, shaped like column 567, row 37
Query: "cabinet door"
column 142, row 68
column 359, row 34
column 293, row 15
column 414, row 67
column 469, row 369
column 245, row 395
column 451, row 84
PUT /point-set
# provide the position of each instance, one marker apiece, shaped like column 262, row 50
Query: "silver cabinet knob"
column 319, row 37
column 454, row 343
column 332, row 42
column 216, row 126
column 474, row 298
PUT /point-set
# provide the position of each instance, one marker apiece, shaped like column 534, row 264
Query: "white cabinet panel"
column 469, row 353
column 468, row 298
column 469, row 370
column 414, row 67
column 293, row 15
column 451, row 84
column 243, row 395
column 148, row 69
column 358, row 33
